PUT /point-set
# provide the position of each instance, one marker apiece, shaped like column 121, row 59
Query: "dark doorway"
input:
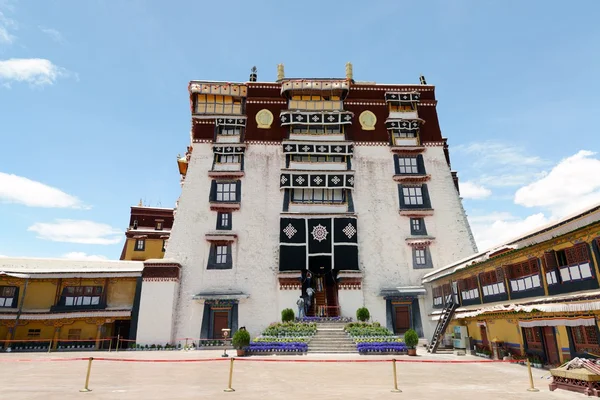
column 550, row 346
column 325, row 298
column 402, row 319
column 220, row 322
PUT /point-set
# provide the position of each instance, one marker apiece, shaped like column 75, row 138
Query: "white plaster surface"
column 156, row 314
column 384, row 256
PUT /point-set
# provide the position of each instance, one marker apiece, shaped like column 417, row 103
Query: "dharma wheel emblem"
column 264, row 119
column 367, row 120
column 319, row 233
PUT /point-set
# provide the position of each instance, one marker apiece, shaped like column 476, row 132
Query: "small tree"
column 411, row 339
column 287, row 315
column 241, row 339
column 362, row 314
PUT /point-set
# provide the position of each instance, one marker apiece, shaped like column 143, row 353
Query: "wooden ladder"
column 443, row 322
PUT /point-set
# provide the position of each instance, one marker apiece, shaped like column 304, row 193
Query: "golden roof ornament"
column 280, row 72
column 349, row 71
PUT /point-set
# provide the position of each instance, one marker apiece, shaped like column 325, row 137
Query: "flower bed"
column 363, row 329
column 324, row 319
column 377, row 339
column 276, row 347
column 282, row 339
column 291, row 329
column 382, row 348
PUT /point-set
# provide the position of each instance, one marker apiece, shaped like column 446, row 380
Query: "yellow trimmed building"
column 148, row 232
column 537, row 295
column 64, row 304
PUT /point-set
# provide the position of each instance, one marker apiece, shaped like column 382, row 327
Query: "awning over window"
column 315, row 118
column 337, row 149
column 220, row 296
column 405, row 125
column 222, row 149
column 314, row 84
column 580, row 321
column 317, row 180
column 402, row 97
column 219, row 88
column 231, row 121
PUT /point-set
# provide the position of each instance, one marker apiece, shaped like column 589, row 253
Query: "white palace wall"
column 384, row 256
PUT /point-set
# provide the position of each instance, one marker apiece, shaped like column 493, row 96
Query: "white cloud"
column 471, row 190
column 80, row 255
column 5, row 24
column 500, row 164
column 18, row 189
column 573, row 184
column 77, row 231
column 35, row 71
column 53, row 34
column 497, row 228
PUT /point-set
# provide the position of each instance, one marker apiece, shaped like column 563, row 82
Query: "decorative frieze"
column 337, row 180
column 318, row 148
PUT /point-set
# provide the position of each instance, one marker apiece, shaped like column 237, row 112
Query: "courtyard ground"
column 48, row 380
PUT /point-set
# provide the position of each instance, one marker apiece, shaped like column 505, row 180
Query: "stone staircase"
column 331, row 338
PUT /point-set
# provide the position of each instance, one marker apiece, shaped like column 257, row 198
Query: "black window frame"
column 213, row 256
column 227, row 215
column 213, row 197
column 427, row 254
column 313, row 199
column 14, row 298
column 426, row 201
column 419, row 165
column 422, row 231
column 135, row 244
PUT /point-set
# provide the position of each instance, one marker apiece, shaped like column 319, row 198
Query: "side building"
column 66, row 303
column 535, row 295
column 148, row 232
column 334, row 184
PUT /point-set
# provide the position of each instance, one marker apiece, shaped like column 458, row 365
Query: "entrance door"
column 550, row 347
column 484, row 338
column 402, row 319
column 220, row 321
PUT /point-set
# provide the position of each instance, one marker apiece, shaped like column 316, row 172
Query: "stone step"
column 341, row 340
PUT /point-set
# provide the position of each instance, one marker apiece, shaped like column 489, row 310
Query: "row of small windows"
column 317, row 129
column 565, row 266
column 314, row 158
column 318, row 195
column 216, row 104
column 72, row 296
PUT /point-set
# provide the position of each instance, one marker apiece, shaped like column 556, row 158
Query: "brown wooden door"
column 550, row 345
column 402, row 319
column 220, row 321
column 484, row 338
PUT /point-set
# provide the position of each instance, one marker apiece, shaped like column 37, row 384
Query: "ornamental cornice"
column 282, row 102
column 226, row 174
column 412, row 178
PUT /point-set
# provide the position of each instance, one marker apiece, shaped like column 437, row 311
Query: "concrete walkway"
column 49, row 380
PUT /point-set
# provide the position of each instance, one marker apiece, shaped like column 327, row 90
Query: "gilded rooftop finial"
column 280, row 73
column 349, row 71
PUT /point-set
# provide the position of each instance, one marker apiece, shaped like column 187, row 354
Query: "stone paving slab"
column 264, row 380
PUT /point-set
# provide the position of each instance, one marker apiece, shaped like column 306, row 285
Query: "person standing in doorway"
column 300, row 304
column 310, row 292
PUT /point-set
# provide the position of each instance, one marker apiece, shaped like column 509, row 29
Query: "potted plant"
column 241, row 340
column 362, row 314
column 411, row 339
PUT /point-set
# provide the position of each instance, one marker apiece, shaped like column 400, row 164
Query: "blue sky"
column 94, row 105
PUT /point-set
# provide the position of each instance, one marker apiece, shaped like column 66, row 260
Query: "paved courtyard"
column 264, row 380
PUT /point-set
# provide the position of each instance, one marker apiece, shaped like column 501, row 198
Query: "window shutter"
column 426, row 199
column 238, row 191
column 288, row 158
column 582, row 254
column 550, row 263
column 242, row 162
column 213, row 191
column 286, row 199
column 420, row 164
column 571, row 255
column 402, row 205
column 350, row 200
column 499, row 274
column 534, row 265
column 396, row 164
column 212, row 255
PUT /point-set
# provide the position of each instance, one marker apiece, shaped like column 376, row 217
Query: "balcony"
column 322, row 105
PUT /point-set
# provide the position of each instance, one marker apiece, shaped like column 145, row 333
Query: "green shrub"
column 287, row 315
column 240, row 339
column 411, row 339
column 362, row 314
column 291, row 329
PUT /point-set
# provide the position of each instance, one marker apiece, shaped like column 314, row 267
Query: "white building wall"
column 255, row 253
column 157, row 311
column 385, row 258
